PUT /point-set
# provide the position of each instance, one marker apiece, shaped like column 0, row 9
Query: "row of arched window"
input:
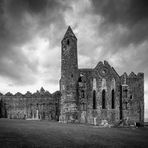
column 104, row 99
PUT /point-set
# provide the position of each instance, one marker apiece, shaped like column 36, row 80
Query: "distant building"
column 93, row 95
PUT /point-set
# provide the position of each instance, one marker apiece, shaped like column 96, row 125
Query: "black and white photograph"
column 73, row 73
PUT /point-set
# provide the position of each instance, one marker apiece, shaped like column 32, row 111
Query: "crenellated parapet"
column 133, row 96
column 131, row 76
column 38, row 93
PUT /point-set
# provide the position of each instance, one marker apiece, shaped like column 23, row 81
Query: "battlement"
column 132, row 75
column 39, row 93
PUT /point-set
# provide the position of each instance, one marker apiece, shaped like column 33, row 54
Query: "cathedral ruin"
column 92, row 95
column 86, row 95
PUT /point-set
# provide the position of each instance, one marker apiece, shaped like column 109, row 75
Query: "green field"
column 26, row 134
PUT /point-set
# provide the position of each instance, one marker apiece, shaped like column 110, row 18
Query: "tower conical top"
column 69, row 33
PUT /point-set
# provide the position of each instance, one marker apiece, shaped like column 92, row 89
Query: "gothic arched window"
column 94, row 99
column 113, row 99
column 103, row 99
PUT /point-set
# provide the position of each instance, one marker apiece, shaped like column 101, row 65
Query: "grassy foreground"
column 26, row 134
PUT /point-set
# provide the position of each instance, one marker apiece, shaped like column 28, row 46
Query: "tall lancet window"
column 68, row 42
column 103, row 99
column 94, row 99
column 113, row 99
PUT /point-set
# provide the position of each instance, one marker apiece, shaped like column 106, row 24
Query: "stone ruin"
column 40, row 105
column 94, row 95
column 97, row 96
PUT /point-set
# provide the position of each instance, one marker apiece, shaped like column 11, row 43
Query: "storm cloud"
column 131, row 14
column 20, row 22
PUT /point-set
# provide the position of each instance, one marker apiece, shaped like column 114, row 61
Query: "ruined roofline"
column 133, row 75
column 102, row 63
column 31, row 95
column 115, row 71
column 106, row 63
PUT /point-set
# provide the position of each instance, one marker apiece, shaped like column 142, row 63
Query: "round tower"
column 69, row 77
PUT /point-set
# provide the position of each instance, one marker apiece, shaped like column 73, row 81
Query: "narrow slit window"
column 103, row 99
column 113, row 99
column 94, row 99
column 68, row 42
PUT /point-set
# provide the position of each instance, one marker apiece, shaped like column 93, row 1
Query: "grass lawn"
column 26, row 134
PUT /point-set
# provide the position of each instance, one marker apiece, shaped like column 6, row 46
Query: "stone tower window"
column 80, row 79
column 103, row 99
column 94, row 99
column 68, row 42
column 113, row 99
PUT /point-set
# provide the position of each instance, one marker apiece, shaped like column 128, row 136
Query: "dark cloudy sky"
column 31, row 31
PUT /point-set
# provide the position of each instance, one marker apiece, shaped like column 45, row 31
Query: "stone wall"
column 93, row 82
column 133, row 97
column 98, row 94
column 40, row 105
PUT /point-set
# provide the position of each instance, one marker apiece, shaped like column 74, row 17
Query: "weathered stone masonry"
column 39, row 105
column 93, row 95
